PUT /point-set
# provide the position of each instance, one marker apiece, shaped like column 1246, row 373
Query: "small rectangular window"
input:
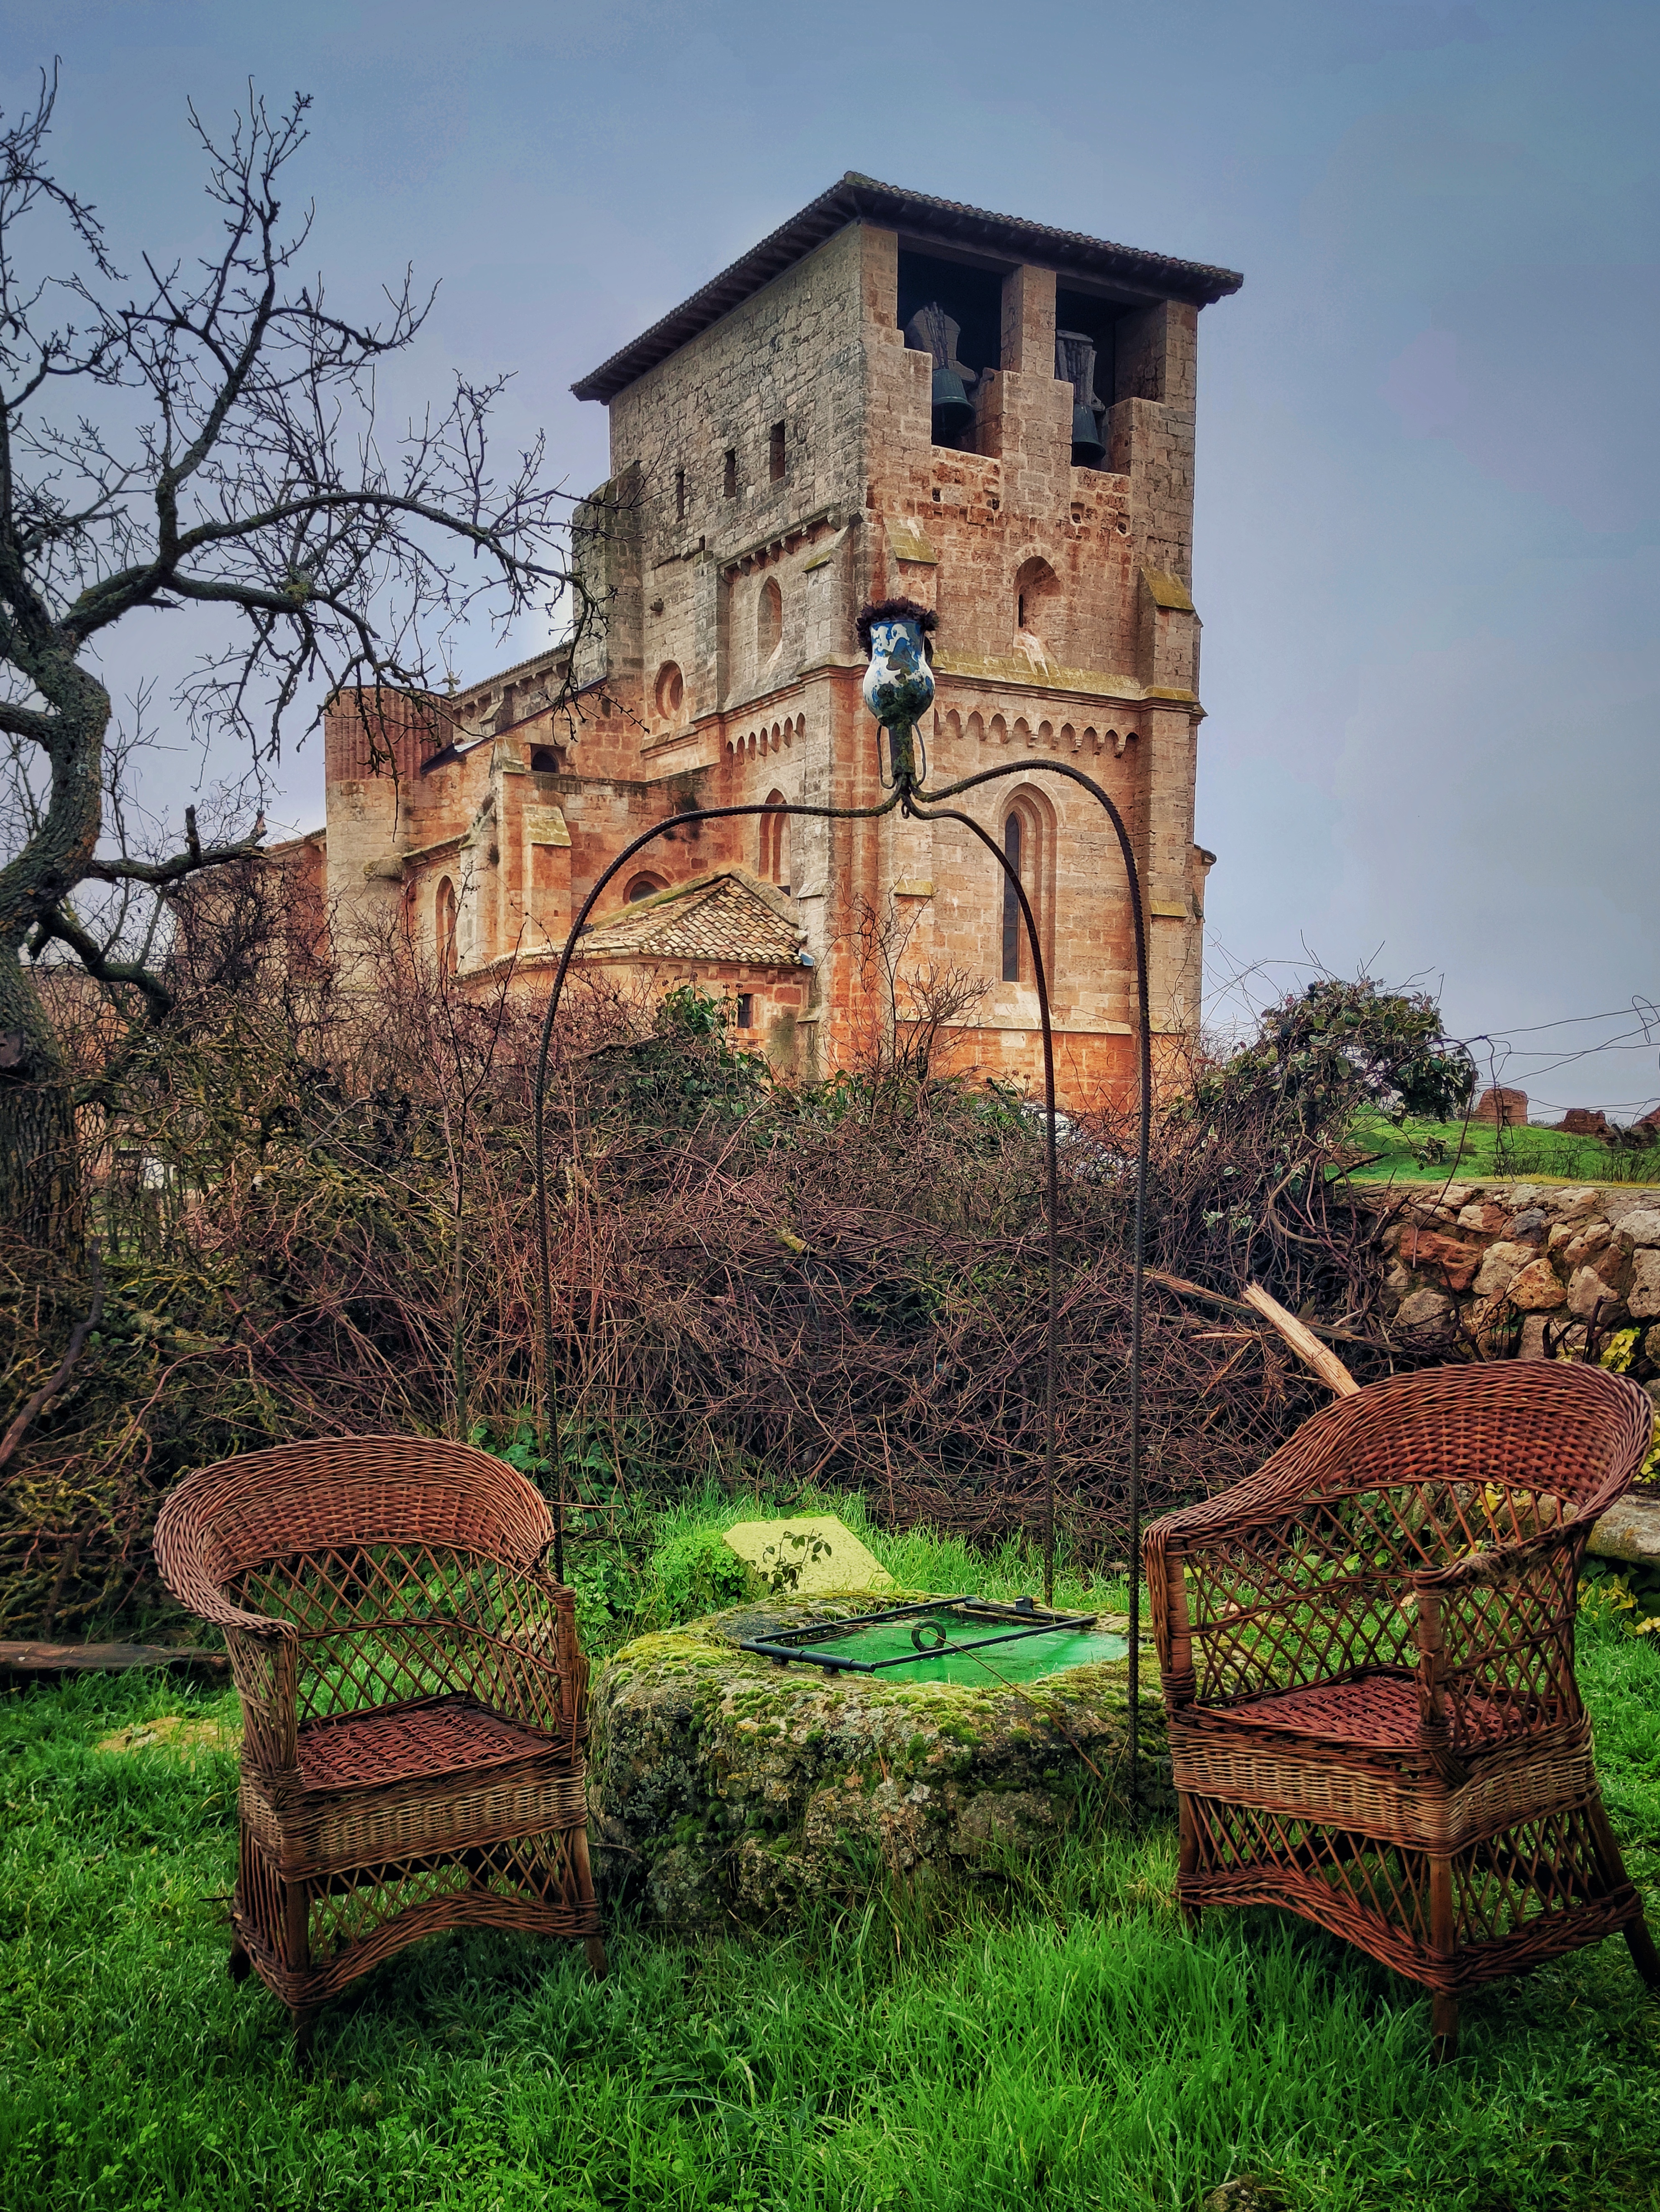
column 679, row 495
column 776, row 452
column 729, row 480
column 746, row 1009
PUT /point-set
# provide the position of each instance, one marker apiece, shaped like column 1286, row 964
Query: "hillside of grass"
column 1413, row 1150
column 1058, row 2041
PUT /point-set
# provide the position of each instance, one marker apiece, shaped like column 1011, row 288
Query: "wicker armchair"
column 1367, row 1657
column 414, row 1701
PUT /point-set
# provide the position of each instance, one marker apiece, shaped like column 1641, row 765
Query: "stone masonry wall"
column 1529, row 1267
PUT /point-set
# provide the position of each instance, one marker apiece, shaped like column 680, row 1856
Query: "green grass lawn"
column 1426, row 1151
column 1064, row 2043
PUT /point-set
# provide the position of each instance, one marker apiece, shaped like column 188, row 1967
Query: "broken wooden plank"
column 1187, row 1289
column 103, row 1658
column 1307, row 1348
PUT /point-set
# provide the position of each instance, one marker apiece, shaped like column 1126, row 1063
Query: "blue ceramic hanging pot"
column 899, row 685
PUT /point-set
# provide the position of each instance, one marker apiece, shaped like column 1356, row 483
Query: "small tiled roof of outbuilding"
column 857, row 199
column 728, row 914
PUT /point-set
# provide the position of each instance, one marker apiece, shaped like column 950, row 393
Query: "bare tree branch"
column 212, row 438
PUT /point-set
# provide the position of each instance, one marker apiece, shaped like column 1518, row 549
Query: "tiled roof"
column 1129, row 268
column 728, row 916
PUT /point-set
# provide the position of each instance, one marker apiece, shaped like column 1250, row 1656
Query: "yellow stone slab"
column 806, row 1553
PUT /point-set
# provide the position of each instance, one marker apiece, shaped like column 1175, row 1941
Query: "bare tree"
column 208, row 438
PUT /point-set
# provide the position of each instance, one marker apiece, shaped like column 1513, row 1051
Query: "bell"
column 953, row 411
column 1087, row 450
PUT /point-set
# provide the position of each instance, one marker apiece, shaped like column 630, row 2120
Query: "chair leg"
column 303, row 2017
column 1644, row 1955
column 595, row 1947
column 1638, row 1941
column 1187, row 1861
column 1443, row 2027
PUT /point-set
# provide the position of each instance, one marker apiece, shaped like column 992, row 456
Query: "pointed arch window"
column 774, row 855
column 768, row 619
column 1014, row 947
column 1028, row 843
column 444, row 927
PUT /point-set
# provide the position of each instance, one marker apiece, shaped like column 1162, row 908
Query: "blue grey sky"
column 1429, row 434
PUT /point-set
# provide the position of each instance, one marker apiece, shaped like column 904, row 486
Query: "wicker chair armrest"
column 1269, row 1495
column 265, row 1667
column 533, row 1618
column 212, row 1606
column 1495, row 1563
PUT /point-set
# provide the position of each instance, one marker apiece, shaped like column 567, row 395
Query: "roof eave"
column 857, row 199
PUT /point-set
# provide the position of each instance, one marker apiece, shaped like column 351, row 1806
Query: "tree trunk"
column 40, row 1195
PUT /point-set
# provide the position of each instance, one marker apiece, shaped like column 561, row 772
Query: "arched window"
column 775, row 866
column 1028, row 843
column 444, row 927
column 643, row 887
column 1037, row 602
column 768, row 619
column 1013, row 922
column 544, row 760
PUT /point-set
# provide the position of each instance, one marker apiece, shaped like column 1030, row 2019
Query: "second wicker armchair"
column 414, row 1702
column 1367, row 1655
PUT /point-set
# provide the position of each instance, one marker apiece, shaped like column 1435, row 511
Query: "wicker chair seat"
column 1375, row 1712
column 413, row 1702
column 1367, row 1652
column 444, row 1737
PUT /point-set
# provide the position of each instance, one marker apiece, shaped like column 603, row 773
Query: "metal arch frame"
column 913, row 800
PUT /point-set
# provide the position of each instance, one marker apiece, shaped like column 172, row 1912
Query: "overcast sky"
column 1429, row 458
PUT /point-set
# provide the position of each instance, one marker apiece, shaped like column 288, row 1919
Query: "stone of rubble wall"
column 1527, row 1271
column 1509, row 1263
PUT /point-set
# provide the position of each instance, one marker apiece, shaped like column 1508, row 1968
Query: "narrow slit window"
column 745, row 1011
column 1010, row 901
column 445, row 930
column 774, row 843
column 679, row 495
column 729, row 474
column 775, row 454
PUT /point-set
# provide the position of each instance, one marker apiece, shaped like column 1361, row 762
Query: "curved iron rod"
column 544, row 1269
column 906, row 793
column 1144, row 1088
column 1051, row 1169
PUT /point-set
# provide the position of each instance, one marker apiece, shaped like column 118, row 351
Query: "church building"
column 890, row 396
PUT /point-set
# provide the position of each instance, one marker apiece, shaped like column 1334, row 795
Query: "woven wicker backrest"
column 1304, row 1572
column 1544, row 1426
column 403, row 1562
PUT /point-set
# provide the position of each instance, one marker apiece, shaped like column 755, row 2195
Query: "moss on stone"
column 724, row 1784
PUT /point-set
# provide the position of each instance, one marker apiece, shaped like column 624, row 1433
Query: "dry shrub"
column 316, row 1208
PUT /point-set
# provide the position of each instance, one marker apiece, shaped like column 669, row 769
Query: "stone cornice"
column 836, row 515
column 1006, row 672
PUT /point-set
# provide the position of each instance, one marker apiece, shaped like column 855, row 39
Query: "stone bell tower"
column 896, row 395
column 891, row 397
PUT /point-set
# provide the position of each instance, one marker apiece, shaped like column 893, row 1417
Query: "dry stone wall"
column 1531, row 1269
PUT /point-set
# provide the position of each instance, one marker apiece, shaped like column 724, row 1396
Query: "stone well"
column 723, row 1785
